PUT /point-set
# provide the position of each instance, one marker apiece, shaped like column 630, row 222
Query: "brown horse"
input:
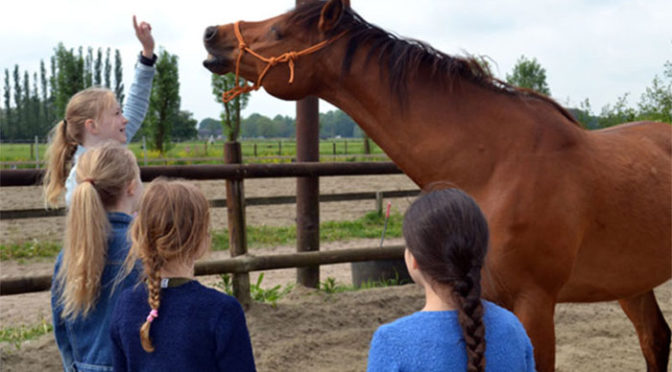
column 575, row 215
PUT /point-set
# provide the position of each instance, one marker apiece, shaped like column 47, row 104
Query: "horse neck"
column 456, row 134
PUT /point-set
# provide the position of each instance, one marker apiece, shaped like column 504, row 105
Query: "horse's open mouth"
column 218, row 65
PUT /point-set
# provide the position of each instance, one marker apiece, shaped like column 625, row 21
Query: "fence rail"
column 237, row 172
column 16, row 214
column 239, row 264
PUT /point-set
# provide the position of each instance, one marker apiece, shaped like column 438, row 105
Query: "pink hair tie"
column 152, row 314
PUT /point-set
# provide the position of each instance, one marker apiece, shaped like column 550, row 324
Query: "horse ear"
column 331, row 14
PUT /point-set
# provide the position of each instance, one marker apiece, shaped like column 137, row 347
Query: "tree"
column 69, row 78
column 184, row 126
column 529, row 74
column 618, row 113
column 231, row 115
column 18, row 101
column 164, row 102
column 88, row 68
column 656, row 102
column 6, row 128
column 210, row 127
column 108, row 69
column 98, row 69
column 118, row 78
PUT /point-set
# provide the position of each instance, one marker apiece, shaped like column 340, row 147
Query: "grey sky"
column 595, row 49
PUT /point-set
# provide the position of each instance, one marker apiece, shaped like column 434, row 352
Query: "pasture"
column 200, row 152
column 308, row 329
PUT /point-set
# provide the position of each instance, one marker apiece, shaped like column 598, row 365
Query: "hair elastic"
column 90, row 180
column 152, row 315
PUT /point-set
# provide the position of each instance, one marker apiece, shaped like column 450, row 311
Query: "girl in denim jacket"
column 87, row 278
column 93, row 116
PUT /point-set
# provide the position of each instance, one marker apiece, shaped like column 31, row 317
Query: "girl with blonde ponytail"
column 87, row 279
column 93, row 116
column 446, row 242
column 173, row 322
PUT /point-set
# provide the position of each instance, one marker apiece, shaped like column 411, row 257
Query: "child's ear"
column 91, row 126
column 132, row 187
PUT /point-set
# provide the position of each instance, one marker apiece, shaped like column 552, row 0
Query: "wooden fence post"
column 144, row 150
column 37, row 152
column 379, row 203
column 235, row 203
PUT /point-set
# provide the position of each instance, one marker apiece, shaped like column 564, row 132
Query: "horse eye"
column 276, row 33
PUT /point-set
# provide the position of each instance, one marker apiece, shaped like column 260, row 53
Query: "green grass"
column 201, row 149
column 368, row 226
column 28, row 250
column 17, row 335
column 330, row 285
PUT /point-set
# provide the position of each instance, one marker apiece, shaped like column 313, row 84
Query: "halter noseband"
column 288, row 57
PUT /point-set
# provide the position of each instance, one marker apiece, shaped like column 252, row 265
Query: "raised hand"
column 143, row 32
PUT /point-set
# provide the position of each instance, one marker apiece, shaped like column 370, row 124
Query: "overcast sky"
column 595, row 49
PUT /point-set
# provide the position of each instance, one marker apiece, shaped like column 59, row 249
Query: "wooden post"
column 379, row 203
column 144, row 150
column 255, row 149
column 346, row 147
column 308, row 188
column 235, row 205
column 279, row 148
column 37, row 152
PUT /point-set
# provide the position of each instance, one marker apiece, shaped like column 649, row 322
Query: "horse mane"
column 404, row 57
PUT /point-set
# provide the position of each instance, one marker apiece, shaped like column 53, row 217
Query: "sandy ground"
column 309, row 330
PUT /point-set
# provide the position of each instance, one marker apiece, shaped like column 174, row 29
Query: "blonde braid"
column 153, row 269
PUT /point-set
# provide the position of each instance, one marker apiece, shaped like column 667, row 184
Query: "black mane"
column 404, row 57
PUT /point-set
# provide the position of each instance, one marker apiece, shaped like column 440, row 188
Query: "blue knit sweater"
column 198, row 329
column 431, row 341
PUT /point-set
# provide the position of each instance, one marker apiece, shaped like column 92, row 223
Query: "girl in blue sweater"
column 87, row 277
column 446, row 241
column 173, row 323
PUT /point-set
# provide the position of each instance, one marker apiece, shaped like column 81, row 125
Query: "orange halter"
column 288, row 57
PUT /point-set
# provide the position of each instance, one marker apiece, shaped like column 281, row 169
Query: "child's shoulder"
column 213, row 297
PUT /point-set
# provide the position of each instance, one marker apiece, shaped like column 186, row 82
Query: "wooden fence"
column 245, row 263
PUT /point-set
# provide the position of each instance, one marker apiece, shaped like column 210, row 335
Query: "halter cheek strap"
column 288, row 57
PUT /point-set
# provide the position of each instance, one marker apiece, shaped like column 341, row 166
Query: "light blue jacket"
column 134, row 110
column 84, row 342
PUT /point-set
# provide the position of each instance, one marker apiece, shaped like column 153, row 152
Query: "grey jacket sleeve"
column 137, row 101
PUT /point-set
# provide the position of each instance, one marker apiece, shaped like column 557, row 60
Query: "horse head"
column 282, row 54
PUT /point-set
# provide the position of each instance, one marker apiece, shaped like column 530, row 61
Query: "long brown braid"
column 172, row 224
column 447, row 234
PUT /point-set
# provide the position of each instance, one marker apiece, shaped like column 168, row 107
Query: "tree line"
column 32, row 106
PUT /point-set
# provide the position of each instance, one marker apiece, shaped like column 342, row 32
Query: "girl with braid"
column 173, row 323
column 446, row 241
column 87, row 279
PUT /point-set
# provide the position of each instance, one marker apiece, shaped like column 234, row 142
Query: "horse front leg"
column 536, row 310
column 652, row 330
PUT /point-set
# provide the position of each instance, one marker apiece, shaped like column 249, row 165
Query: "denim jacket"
column 84, row 342
column 134, row 110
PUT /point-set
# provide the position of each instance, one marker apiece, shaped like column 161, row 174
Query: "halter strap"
column 288, row 57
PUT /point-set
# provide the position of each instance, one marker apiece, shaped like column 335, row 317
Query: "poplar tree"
column 528, row 73
column 118, row 78
column 108, row 69
column 98, row 69
column 164, row 103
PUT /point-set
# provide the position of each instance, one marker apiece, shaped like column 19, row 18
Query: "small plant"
column 17, row 335
column 272, row 295
column 257, row 293
column 330, row 286
column 29, row 249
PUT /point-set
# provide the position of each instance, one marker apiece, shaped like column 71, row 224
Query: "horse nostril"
column 210, row 33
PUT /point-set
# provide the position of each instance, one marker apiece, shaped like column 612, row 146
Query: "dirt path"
column 308, row 330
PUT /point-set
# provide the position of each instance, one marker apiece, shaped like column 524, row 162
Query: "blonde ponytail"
column 68, row 134
column 59, row 156
column 103, row 174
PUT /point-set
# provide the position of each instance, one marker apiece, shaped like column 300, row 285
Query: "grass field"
column 280, row 150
